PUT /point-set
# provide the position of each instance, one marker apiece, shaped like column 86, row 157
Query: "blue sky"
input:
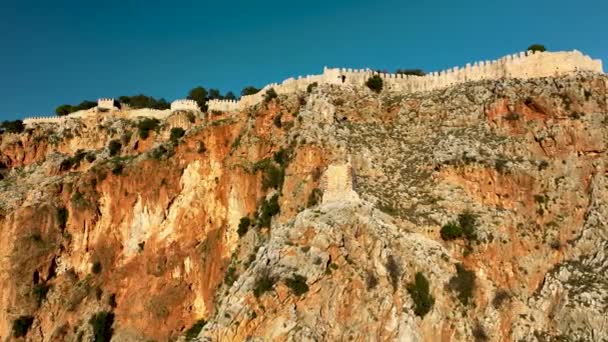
column 56, row 52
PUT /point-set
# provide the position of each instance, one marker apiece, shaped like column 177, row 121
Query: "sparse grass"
column 230, row 275
column 420, row 293
column 297, row 284
column 463, row 284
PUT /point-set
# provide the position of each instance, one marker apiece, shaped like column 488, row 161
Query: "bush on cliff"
column 194, row 330
column 465, row 226
column 176, row 134
column 249, row 90
column 375, row 83
column 21, row 326
column 297, row 284
column 114, row 147
column 419, row 291
column 243, row 226
column 263, row 284
column 537, row 48
column 102, row 323
column 268, row 209
column 463, row 283
column 146, row 125
column 270, row 94
column 15, row 126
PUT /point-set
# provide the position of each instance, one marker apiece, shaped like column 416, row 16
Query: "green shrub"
column 15, row 126
column 394, row 271
column 198, row 94
column 79, row 200
column 314, row 198
column 39, row 291
column 451, row 231
column 194, row 330
column 230, row 275
column 500, row 297
column 102, row 323
column 537, row 48
column 244, row 226
column 419, row 291
column 277, row 121
column 297, row 284
column 249, row 91
column 270, row 94
column 263, row 284
column 268, row 209
column 21, row 326
column 282, row 157
column 62, row 217
column 311, row 87
column 273, row 178
column 463, row 283
column 117, row 169
column 375, row 83
column 114, row 147
column 468, row 223
column 96, row 267
column 465, row 226
column 146, row 125
column 176, row 134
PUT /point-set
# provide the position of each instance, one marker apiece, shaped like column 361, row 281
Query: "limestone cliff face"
column 154, row 233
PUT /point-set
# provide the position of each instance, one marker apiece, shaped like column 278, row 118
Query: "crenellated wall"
column 184, row 104
column 43, row 119
column 105, row 103
column 521, row 65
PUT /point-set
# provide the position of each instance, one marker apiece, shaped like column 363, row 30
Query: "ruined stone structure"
column 338, row 184
column 523, row 65
column 184, row 105
column 105, row 104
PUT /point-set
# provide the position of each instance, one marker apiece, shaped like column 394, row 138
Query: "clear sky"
column 66, row 51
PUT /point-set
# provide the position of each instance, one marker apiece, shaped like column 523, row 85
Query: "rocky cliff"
column 471, row 213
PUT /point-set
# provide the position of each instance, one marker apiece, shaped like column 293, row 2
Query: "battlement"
column 44, row 119
column 224, row 105
column 105, row 103
column 184, row 104
column 523, row 65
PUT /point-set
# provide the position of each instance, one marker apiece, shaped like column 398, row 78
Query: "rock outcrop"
column 476, row 212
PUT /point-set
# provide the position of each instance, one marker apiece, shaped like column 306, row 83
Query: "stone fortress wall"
column 522, row 65
column 184, row 105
